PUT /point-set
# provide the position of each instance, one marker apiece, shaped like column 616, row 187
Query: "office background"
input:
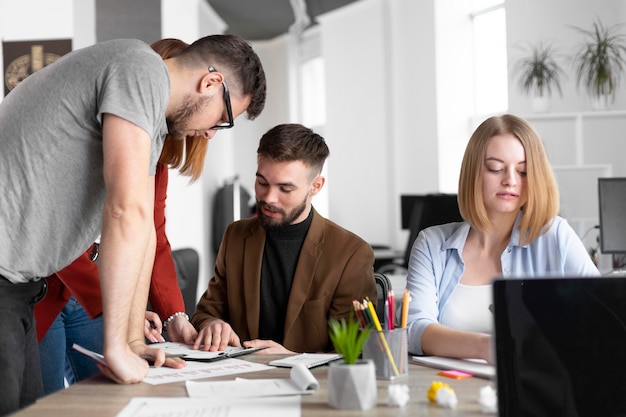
column 399, row 101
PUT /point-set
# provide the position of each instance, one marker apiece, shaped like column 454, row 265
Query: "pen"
column 151, row 358
column 392, row 310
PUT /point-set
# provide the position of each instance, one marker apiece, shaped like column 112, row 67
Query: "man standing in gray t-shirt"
column 79, row 143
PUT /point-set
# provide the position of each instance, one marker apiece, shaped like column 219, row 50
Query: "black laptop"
column 560, row 346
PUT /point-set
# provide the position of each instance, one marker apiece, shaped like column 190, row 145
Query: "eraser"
column 453, row 373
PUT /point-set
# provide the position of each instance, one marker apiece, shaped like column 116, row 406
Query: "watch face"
column 22, row 58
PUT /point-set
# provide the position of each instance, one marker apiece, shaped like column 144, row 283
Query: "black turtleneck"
column 280, row 258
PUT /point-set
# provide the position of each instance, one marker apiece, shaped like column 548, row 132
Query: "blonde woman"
column 509, row 201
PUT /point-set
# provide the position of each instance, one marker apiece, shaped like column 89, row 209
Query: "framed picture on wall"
column 22, row 58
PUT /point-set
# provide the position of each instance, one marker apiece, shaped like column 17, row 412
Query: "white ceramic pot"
column 601, row 102
column 540, row 104
column 352, row 387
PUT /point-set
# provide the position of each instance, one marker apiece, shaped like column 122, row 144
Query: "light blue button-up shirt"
column 436, row 266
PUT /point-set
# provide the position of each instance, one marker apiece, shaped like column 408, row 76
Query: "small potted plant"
column 351, row 381
column 539, row 73
column 600, row 63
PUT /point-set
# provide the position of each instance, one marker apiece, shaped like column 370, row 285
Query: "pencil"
column 405, row 307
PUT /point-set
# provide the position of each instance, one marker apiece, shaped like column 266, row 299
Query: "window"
column 490, row 58
column 312, row 92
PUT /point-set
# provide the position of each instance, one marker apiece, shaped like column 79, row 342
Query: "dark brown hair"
column 235, row 58
column 294, row 142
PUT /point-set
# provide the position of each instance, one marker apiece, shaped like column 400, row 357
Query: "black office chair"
column 187, row 262
column 432, row 210
column 383, row 285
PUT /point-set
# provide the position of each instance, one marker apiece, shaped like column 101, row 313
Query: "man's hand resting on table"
column 271, row 347
column 216, row 335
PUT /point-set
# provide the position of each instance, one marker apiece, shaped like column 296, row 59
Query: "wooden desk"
column 99, row 397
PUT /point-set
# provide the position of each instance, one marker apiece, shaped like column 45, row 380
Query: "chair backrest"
column 187, row 262
column 383, row 285
column 434, row 209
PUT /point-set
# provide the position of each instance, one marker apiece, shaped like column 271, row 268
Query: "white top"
column 468, row 309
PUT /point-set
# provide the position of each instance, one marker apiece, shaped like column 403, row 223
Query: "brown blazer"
column 334, row 268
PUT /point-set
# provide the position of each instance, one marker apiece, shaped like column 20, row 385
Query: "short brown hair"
column 542, row 191
column 235, row 58
column 294, row 142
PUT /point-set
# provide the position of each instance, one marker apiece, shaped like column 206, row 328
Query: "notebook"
column 560, row 346
column 187, row 352
column 476, row 367
column 310, row 360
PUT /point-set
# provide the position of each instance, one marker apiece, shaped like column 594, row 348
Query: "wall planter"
column 600, row 63
column 539, row 73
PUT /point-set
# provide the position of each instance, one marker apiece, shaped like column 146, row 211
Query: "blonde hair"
column 543, row 195
column 188, row 155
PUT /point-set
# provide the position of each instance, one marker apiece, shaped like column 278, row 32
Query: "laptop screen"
column 560, row 346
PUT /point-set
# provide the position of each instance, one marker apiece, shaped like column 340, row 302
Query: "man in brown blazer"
column 280, row 276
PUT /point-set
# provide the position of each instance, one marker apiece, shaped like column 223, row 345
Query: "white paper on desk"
column 194, row 407
column 301, row 381
column 195, row 370
column 477, row 367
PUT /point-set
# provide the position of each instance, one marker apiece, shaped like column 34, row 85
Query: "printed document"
column 301, row 381
column 288, row 406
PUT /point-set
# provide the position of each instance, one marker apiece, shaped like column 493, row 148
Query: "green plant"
column 538, row 71
column 348, row 338
column 601, row 60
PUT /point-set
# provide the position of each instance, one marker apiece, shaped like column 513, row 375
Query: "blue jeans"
column 20, row 377
column 59, row 362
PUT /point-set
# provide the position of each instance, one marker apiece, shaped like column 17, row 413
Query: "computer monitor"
column 612, row 209
column 407, row 203
column 560, row 346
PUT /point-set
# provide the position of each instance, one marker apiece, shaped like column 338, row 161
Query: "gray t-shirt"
column 51, row 162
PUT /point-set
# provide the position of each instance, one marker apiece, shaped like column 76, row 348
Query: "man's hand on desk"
column 271, row 347
column 216, row 335
column 123, row 365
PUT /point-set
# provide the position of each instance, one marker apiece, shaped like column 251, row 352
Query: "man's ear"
column 210, row 79
column 316, row 185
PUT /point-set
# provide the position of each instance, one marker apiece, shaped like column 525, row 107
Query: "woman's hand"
column 153, row 327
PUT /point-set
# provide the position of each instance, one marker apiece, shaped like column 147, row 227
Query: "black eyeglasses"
column 231, row 122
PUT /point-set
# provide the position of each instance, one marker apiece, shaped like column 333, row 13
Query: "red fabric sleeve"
column 165, row 295
column 80, row 279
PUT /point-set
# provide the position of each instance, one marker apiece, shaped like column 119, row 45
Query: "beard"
column 270, row 223
column 177, row 125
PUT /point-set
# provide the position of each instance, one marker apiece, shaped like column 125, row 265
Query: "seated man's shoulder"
column 336, row 233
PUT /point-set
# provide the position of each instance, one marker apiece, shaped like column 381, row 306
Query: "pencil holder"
column 388, row 350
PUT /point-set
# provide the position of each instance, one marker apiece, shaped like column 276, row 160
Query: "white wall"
column 399, row 112
column 550, row 23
